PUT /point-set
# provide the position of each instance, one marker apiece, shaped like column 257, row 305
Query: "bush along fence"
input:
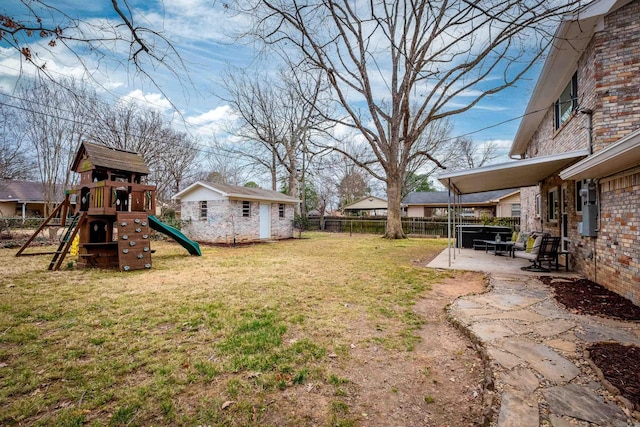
column 427, row 227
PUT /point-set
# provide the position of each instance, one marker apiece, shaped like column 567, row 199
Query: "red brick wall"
column 617, row 49
column 616, row 255
column 608, row 84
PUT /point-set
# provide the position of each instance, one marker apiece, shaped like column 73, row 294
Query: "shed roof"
column 441, row 198
column 25, row 191
column 238, row 192
column 91, row 156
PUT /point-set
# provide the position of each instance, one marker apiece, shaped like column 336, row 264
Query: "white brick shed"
column 220, row 213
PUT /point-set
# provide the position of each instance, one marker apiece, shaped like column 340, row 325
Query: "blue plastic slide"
column 175, row 234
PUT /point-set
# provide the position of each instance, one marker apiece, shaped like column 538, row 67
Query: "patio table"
column 499, row 248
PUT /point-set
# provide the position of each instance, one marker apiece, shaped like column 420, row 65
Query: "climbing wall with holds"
column 134, row 245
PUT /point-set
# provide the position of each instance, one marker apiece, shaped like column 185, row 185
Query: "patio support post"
column 24, row 212
column 449, row 221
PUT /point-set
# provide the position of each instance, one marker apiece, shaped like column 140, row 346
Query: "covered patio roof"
column 520, row 173
column 618, row 157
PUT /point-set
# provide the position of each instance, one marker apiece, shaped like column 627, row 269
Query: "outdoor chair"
column 544, row 250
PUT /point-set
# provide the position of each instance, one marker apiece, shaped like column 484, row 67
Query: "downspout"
column 589, row 113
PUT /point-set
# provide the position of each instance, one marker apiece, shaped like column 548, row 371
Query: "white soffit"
column 618, row 157
column 520, row 173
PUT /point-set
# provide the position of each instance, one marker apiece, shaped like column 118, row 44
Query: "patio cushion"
column 536, row 245
column 530, row 242
column 514, row 236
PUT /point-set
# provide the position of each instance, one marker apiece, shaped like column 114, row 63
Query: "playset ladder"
column 63, row 208
column 66, row 240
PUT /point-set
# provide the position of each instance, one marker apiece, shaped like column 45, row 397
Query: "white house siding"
column 282, row 228
column 225, row 221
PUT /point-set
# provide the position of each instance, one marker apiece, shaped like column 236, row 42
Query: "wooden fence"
column 431, row 227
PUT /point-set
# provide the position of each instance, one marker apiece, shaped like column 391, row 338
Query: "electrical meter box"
column 589, row 225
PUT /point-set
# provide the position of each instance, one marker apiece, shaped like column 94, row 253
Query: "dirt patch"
column 438, row 383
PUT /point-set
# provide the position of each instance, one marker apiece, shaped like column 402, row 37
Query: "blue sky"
column 199, row 30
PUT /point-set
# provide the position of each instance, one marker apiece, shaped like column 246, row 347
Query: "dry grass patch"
column 222, row 339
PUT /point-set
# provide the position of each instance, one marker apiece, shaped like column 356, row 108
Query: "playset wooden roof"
column 95, row 156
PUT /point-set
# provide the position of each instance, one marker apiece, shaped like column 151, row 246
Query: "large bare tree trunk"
column 394, row 222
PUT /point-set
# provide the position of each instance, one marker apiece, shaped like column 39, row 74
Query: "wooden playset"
column 112, row 213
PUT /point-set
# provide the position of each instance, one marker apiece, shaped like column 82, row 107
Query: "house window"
column 246, row 208
column 567, row 103
column 281, row 210
column 203, row 210
column 515, row 209
column 553, row 205
column 579, row 198
column 538, row 203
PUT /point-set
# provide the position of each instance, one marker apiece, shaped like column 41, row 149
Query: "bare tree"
column 55, row 122
column 471, row 155
column 279, row 116
column 14, row 160
column 396, row 67
column 352, row 187
column 226, row 167
column 169, row 154
column 40, row 26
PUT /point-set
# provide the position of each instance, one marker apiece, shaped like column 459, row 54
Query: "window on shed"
column 203, row 210
column 281, row 210
column 246, row 208
column 567, row 103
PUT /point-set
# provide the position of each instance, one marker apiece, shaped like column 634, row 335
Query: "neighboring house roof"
column 238, row 192
column 25, row 191
column 441, row 198
column 368, row 203
column 91, row 156
column 570, row 41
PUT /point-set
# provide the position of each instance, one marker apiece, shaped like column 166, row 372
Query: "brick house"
column 220, row 213
column 579, row 146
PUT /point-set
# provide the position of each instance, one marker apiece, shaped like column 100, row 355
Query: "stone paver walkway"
column 535, row 350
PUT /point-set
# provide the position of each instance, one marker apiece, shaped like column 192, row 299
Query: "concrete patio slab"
column 472, row 260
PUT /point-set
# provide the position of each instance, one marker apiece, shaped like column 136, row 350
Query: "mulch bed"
column 620, row 364
column 583, row 296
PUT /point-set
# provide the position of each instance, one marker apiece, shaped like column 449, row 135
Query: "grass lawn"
column 211, row 340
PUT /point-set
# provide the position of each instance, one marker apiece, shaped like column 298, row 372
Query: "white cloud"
column 212, row 122
column 152, row 100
